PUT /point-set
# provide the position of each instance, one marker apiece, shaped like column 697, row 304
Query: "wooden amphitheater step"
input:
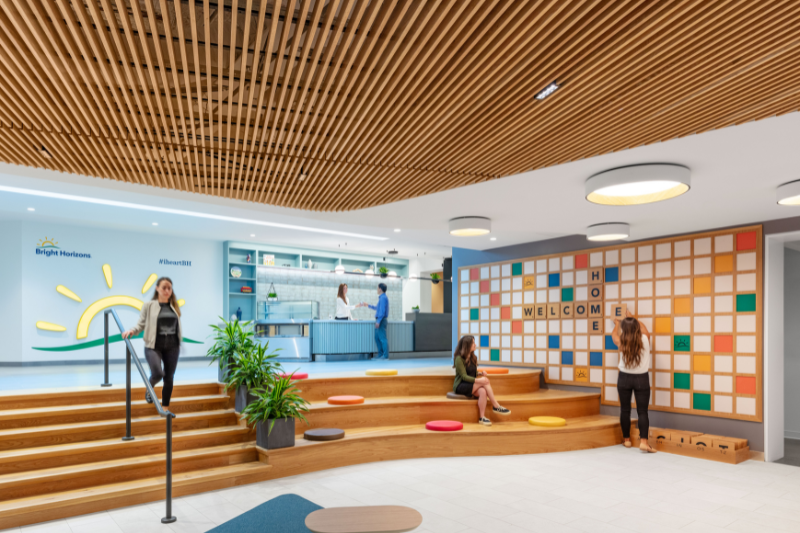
column 14, row 439
column 60, row 479
column 90, row 412
column 46, row 507
column 392, row 411
column 95, row 395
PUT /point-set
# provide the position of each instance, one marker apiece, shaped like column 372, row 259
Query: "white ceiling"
column 734, row 175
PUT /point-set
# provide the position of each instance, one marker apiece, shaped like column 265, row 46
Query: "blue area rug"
column 284, row 514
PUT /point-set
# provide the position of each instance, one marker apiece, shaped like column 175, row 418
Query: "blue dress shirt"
column 382, row 309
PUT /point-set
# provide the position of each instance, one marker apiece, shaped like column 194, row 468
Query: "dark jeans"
column 341, row 318
column 639, row 385
column 381, row 340
column 170, row 360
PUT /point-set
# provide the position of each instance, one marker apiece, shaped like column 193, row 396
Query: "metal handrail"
column 130, row 355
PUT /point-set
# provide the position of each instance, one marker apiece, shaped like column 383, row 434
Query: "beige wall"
column 437, row 296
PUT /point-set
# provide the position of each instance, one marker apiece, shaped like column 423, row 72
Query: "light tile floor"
column 605, row 490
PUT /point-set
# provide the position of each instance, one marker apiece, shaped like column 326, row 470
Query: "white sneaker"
column 485, row 421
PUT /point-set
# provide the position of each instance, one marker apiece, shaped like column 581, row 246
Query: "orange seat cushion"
column 494, row 370
column 345, row 400
column 444, row 425
column 296, row 375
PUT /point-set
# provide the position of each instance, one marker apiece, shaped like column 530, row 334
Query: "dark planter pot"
column 223, row 372
column 385, row 275
column 435, row 281
column 243, row 398
column 282, row 435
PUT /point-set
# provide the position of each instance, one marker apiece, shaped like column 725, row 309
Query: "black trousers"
column 169, row 358
column 639, row 385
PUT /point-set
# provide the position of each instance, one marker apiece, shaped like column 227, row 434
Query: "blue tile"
column 612, row 274
column 554, row 280
column 484, row 341
column 554, row 341
column 566, row 358
column 596, row 358
column 610, row 343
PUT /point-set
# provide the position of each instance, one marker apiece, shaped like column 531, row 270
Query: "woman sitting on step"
column 469, row 383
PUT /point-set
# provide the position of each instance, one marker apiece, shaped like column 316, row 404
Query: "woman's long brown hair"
column 173, row 300
column 341, row 292
column 630, row 340
column 464, row 351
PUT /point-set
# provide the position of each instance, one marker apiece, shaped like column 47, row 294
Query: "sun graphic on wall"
column 96, row 308
column 47, row 243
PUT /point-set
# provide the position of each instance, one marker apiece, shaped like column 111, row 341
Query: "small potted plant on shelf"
column 384, row 271
column 273, row 412
column 435, row 278
column 253, row 370
column 415, row 309
column 231, row 339
column 272, row 296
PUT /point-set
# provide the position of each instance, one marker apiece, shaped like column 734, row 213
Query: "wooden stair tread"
column 540, row 396
column 115, row 490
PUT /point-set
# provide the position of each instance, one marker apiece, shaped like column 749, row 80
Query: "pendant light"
column 609, row 231
column 638, row 184
column 789, row 193
column 470, row 226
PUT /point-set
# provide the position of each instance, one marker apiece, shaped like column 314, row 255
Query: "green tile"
column 474, row 314
column 682, row 343
column 494, row 355
column 682, row 381
column 516, row 269
column 566, row 294
column 745, row 303
column 701, row 402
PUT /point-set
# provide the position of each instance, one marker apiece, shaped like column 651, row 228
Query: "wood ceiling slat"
column 375, row 101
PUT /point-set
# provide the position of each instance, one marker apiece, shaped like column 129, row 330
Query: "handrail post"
column 105, row 383
column 127, row 394
column 169, row 518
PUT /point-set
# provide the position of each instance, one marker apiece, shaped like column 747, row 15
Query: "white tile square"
column 541, row 357
column 485, row 313
column 506, row 341
column 529, row 357
column 485, row 300
column 581, row 358
column 475, row 287
column 683, row 248
column 723, row 324
column 723, row 244
column 723, row 284
column 663, row 398
column 745, row 344
column 611, row 394
column 746, row 323
column 746, row 282
column 683, row 362
column 484, row 272
column 495, row 313
column 541, row 296
column 746, row 261
column 554, row 357
column 645, row 271
column 581, row 326
column 529, row 326
column 663, row 361
column 723, row 304
column 595, row 342
column 745, row 364
column 702, row 382
column 505, row 270
column 645, row 289
column 612, row 291
column 464, row 328
column 644, row 307
column 465, row 301
column 723, row 404
column 495, row 271
column 664, row 287
column 475, row 300
column 628, row 255
column 664, row 306
column 505, row 298
column 567, row 279
column 701, row 343
column 663, row 343
column 554, row 326
column 516, row 312
column 581, row 293
column 663, row 269
column 682, row 286
column 596, row 375
column 612, row 375
column 612, row 257
column 612, row 359
column 746, row 406
column 553, row 373
column 541, row 342
column 541, row 266
column 702, row 246
column 682, row 400
column 485, row 328
column 664, row 251
column 567, row 327
column 682, row 324
column 505, row 284
column 566, row 374
column 581, row 277
column 495, row 327
column 567, row 342
column 529, row 297
column 529, row 267
column 516, row 341
column 495, row 285
column 494, row 341
column 628, row 290
column 505, row 327
column 596, row 259
column 702, row 304
column 628, row 273
column 554, row 295
column 645, row 253
column 568, row 262
column 723, row 384
column 683, row 268
column 554, row 264
column 464, row 315
column 541, row 326
column 702, row 324
column 723, row 363
column 702, row 265
column 516, row 284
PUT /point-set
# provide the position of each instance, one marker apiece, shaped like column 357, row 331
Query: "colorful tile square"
column 474, row 314
column 474, row 274
column 745, row 303
column 702, row 363
column 494, row 299
column 663, row 325
column 554, row 341
column 567, row 294
column 745, row 385
column 610, row 343
column 682, row 343
column 516, row 269
column 494, row 355
column 486, row 285
column 701, row 401
column 566, row 358
column 746, row 241
column 612, row 274
column 582, row 261
column 554, row 280
column 682, row 381
column 683, row 306
column 595, row 358
column 484, row 341
column 702, row 285
column 723, row 263
column 723, row 343
column 505, row 313
column 516, row 327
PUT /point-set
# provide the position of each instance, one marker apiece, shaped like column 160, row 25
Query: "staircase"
column 61, row 452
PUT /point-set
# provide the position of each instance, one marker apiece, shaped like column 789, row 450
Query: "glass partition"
column 288, row 310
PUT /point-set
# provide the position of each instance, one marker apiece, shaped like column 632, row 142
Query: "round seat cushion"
column 456, row 396
column 444, row 425
column 324, row 434
column 547, row 421
column 345, row 400
column 296, row 375
column 494, row 370
column 382, row 372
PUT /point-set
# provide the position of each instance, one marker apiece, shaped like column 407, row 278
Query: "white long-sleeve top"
column 343, row 309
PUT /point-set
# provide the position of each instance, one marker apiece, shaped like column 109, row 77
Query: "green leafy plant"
column 231, row 340
column 383, row 270
column 416, row 307
column 281, row 399
column 272, row 295
column 254, row 369
column 435, row 276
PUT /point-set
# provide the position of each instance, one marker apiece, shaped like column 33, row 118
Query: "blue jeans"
column 381, row 340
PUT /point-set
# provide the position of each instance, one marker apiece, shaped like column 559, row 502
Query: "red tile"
column 486, row 285
column 723, row 343
column 494, row 299
column 505, row 313
column 746, row 241
column 516, row 326
column 474, row 274
column 745, row 385
column 582, row 261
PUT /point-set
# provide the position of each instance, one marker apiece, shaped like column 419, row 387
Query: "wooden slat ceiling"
column 333, row 105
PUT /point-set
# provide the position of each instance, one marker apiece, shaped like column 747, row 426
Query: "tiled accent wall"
column 322, row 287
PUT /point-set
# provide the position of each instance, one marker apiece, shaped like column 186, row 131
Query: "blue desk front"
column 332, row 337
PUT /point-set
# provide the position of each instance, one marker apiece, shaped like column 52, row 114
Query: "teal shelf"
column 242, row 294
column 242, row 279
column 242, row 264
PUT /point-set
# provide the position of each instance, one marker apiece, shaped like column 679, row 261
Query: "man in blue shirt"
column 381, row 322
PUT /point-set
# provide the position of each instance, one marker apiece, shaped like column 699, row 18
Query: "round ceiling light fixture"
column 789, row 193
column 470, row 226
column 638, row 184
column 609, row 231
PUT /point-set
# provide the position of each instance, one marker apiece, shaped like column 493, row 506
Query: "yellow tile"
column 683, row 306
column 663, row 325
column 723, row 263
column 702, row 285
column 702, row 363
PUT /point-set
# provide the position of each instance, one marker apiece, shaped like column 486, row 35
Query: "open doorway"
column 791, row 353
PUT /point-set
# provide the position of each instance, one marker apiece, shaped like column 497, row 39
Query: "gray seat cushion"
column 454, row 396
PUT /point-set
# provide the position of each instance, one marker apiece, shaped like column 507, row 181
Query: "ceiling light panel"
column 638, row 184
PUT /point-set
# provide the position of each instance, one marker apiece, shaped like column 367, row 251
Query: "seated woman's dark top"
column 465, row 377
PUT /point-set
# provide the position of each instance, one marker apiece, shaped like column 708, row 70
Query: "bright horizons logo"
column 47, row 247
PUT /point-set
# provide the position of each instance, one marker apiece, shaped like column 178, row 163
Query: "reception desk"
column 356, row 337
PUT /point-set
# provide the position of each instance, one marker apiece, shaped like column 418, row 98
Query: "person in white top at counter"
column 343, row 306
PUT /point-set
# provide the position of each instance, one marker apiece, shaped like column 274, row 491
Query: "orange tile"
column 745, row 385
column 723, row 343
column 505, row 313
column 702, row 363
column 663, row 325
column 683, row 306
column 516, row 326
column 494, row 299
column 723, row 263
column 702, row 285
column 746, row 241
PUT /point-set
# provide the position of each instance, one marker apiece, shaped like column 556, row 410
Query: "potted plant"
column 272, row 296
column 435, row 278
column 384, row 271
column 254, row 369
column 274, row 411
column 230, row 340
column 415, row 309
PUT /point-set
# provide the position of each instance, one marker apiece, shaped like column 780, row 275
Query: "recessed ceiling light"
column 155, row 223
column 547, row 91
column 789, row 193
column 470, row 226
column 196, row 214
column 609, row 231
column 638, row 184
column 397, row 230
column 31, row 209
column 492, row 238
column 252, row 234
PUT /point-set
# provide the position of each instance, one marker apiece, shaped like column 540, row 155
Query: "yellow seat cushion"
column 382, row 372
column 547, row 421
